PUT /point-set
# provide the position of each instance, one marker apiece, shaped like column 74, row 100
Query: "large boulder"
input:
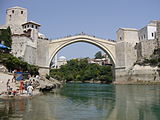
column 3, row 69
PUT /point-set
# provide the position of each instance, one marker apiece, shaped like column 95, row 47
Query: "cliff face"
column 145, row 70
column 139, row 74
column 144, row 74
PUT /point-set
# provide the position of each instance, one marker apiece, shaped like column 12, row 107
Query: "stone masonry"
column 34, row 48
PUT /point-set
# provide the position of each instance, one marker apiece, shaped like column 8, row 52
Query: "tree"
column 81, row 70
column 5, row 36
column 13, row 63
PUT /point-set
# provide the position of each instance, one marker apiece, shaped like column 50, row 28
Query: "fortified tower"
column 126, row 53
column 15, row 17
column 24, row 34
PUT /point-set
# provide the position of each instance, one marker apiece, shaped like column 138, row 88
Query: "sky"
column 100, row 18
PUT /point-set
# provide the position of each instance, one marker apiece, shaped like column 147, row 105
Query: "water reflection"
column 12, row 109
column 87, row 102
column 136, row 102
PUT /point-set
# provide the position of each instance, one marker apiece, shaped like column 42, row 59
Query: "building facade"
column 57, row 63
column 148, row 32
column 25, row 35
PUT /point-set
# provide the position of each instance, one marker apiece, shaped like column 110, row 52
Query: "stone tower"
column 16, row 16
column 126, row 54
column 125, row 47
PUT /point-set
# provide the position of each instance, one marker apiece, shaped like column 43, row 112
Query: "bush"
column 13, row 63
column 153, row 61
column 81, row 70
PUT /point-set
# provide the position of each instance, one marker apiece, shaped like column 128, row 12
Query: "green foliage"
column 5, row 36
column 81, row 70
column 13, row 63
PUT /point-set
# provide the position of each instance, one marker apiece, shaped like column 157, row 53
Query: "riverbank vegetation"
column 12, row 63
column 8, row 60
column 5, row 37
column 81, row 70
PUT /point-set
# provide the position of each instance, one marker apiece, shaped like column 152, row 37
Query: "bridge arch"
column 107, row 46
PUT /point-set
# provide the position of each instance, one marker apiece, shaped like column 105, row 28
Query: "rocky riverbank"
column 139, row 75
column 42, row 84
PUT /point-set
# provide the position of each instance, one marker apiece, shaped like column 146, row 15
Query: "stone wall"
column 145, row 49
column 120, row 56
column 30, row 55
column 130, row 55
column 19, row 45
column 158, row 34
column 25, row 48
column 126, row 54
column 42, row 53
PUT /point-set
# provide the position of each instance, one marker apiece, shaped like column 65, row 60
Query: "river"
column 87, row 102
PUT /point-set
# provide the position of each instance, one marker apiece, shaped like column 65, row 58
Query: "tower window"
column 120, row 38
column 12, row 11
column 32, row 26
column 36, row 27
column 28, row 26
column 152, row 34
column 21, row 12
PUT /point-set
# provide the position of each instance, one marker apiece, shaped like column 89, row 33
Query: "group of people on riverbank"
column 20, row 88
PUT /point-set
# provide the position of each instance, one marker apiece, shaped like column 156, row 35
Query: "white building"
column 58, row 63
column 148, row 32
column 104, row 61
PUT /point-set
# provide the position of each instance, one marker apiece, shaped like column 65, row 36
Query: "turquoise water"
column 87, row 102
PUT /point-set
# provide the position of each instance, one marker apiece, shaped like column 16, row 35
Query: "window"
column 21, row 12
column 144, row 36
column 36, row 27
column 120, row 38
column 32, row 26
column 28, row 26
column 152, row 34
column 12, row 11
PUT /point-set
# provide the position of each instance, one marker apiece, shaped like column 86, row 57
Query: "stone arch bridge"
column 56, row 45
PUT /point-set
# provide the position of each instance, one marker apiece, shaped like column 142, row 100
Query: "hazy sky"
column 100, row 18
